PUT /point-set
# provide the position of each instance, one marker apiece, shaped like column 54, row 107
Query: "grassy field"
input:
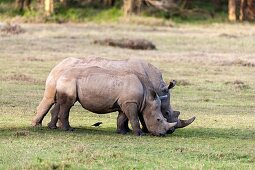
column 213, row 64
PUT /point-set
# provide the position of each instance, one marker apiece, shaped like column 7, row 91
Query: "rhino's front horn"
column 171, row 125
column 183, row 123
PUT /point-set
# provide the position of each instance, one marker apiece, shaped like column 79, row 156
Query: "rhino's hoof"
column 139, row 133
column 52, row 126
column 128, row 130
column 145, row 130
column 123, row 132
column 67, row 128
column 35, row 124
column 71, row 129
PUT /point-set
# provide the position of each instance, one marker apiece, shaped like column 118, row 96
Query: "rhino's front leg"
column 144, row 127
column 131, row 111
column 122, row 123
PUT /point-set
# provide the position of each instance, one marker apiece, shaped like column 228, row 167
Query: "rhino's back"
column 128, row 65
column 132, row 65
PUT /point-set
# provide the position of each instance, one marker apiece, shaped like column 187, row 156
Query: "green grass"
column 89, row 14
column 214, row 83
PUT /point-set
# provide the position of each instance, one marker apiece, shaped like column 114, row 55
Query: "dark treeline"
column 236, row 9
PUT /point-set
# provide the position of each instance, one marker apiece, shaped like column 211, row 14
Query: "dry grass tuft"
column 148, row 21
column 21, row 133
column 228, row 35
column 183, row 82
column 238, row 84
column 135, row 44
column 238, row 62
column 33, row 59
column 20, row 77
column 78, row 148
column 9, row 29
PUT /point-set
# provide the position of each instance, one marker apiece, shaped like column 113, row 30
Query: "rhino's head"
column 166, row 109
column 154, row 120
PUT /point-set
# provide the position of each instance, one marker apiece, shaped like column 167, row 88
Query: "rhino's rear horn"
column 183, row 123
column 172, row 84
column 163, row 97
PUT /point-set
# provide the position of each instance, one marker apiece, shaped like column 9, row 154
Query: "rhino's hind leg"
column 54, row 116
column 65, row 104
column 42, row 110
column 64, row 116
column 130, row 109
column 122, row 123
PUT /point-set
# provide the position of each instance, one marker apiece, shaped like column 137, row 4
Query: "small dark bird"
column 97, row 124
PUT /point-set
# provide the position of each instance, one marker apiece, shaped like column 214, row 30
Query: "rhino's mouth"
column 170, row 131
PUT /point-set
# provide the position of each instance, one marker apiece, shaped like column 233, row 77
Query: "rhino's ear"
column 176, row 113
column 172, row 84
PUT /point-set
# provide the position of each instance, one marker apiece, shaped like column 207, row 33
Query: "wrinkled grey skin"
column 130, row 65
column 103, row 91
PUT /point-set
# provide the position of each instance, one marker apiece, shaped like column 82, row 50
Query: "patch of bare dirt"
column 135, row 44
column 10, row 29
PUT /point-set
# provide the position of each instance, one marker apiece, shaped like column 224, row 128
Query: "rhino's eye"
column 159, row 120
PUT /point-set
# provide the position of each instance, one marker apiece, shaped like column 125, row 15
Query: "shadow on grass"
column 242, row 134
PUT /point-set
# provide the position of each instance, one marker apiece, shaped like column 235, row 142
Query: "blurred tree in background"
column 20, row 4
column 242, row 10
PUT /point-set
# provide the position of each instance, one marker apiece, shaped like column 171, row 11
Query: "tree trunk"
column 28, row 4
column 40, row 5
column 63, row 2
column 242, row 10
column 128, row 7
column 247, row 10
column 138, row 6
column 216, row 4
column 20, row 5
column 109, row 2
column 232, row 10
column 250, row 10
column 49, row 7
